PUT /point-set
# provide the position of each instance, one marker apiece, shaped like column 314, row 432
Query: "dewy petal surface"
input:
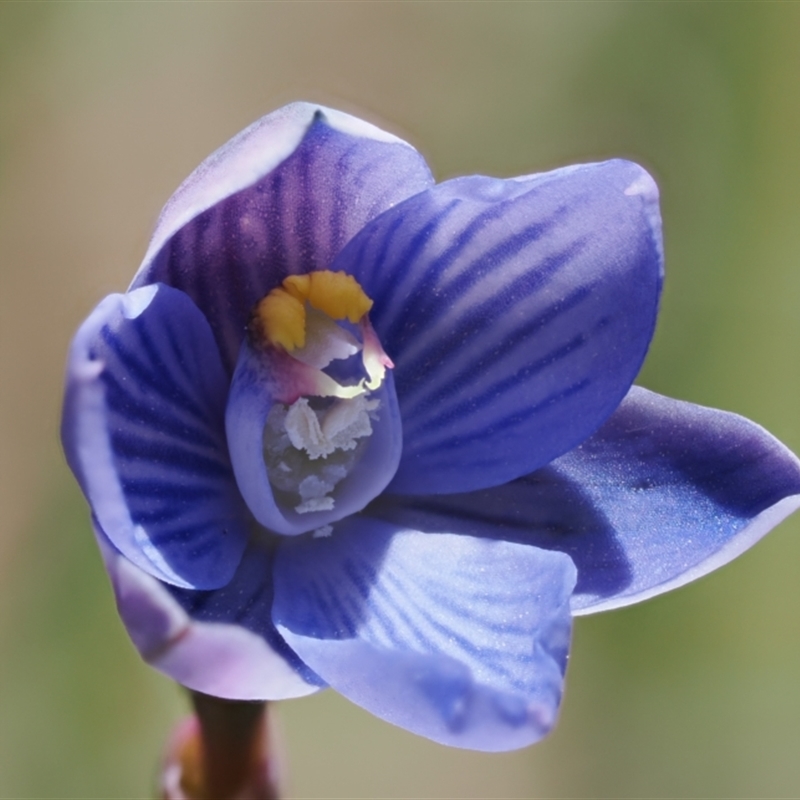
column 517, row 313
column 143, row 429
column 282, row 197
column 687, row 489
column 440, row 634
column 218, row 642
column 663, row 493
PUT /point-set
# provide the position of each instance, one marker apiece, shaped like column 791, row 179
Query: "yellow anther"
column 298, row 286
column 281, row 315
column 336, row 294
column 281, row 318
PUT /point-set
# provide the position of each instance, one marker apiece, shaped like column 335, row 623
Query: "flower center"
column 327, row 362
column 282, row 313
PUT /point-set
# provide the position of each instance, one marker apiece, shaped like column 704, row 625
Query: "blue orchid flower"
column 349, row 428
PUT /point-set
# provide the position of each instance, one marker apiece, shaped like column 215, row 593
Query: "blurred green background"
column 106, row 107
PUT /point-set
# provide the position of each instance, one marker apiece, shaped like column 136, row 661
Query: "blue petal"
column 282, row 197
column 546, row 509
column 249, row 403
column 686, row 488
column 517, row 313
column 225, row 646
column 662, row 494
column 143, row 430
column 458, row 639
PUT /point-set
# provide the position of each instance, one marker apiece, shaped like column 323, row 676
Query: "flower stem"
column 222, row 753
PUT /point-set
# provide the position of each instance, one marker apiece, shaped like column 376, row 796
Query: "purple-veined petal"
column 143, row 430
column 662, row 494
column 249, row 403
column 546, row 509
column 282, row 197
column 218, row 642
column 686, row 488
column 458, row 639
column 517, row 313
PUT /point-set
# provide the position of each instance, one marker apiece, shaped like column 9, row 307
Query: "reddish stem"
column 225, row 753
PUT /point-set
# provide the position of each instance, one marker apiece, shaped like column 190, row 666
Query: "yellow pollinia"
column 280, row 316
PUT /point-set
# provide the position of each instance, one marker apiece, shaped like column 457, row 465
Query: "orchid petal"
column 686, row 488
column 664, row 493
column 459, row 639
column 252, row 395
column 545, row 509
column 282, row 197
column 143, row 429
column 517, row 314
column 222, row 646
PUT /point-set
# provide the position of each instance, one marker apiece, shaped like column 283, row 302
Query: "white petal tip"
column 645, row 186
